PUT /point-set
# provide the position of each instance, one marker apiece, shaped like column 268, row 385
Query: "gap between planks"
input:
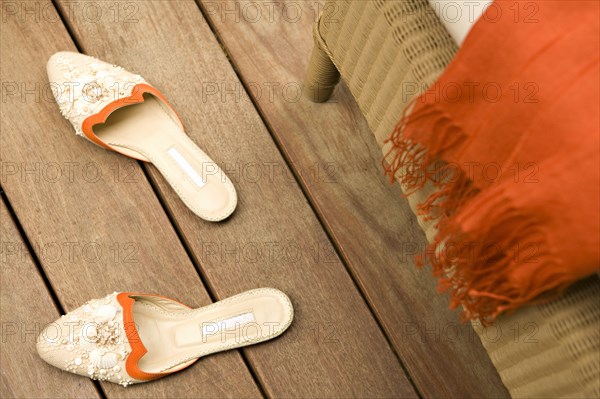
column 313, row 206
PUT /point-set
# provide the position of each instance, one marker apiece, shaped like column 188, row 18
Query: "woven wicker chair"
column 388, row 52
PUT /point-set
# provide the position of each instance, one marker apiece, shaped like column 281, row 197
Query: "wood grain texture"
column 91, row 215
column 334, row 347
column 25, row 308
column 372, row 225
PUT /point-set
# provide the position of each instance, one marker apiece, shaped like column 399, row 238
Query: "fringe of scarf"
column 481, row 268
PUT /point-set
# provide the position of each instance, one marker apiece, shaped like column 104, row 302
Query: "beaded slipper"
column 128, row 338
column 120, row 111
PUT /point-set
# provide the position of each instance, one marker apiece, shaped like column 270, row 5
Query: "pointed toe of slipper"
column 44, row 344
column 77, row 68
column 52, row 67
column 83, row 85
column 89, row 341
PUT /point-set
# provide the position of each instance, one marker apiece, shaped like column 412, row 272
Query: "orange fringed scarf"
column 514, row 120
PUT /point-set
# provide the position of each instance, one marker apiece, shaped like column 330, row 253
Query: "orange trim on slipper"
column 136, row 96
column 137, row 347
column 138, row 350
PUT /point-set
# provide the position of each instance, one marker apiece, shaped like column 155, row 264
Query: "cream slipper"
column 128, row 338
column 120, row 111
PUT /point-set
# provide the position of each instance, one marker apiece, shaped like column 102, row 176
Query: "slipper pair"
column 126, row 337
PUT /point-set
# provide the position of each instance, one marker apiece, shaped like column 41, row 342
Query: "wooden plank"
column 373, row 227
column 334, row 347
column 25, row 308
column 91, row 215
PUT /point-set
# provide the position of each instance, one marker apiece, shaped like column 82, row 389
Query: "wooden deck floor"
column 316, row 218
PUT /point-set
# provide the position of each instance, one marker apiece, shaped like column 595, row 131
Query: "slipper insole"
column 174, row 337
column 148, row 129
